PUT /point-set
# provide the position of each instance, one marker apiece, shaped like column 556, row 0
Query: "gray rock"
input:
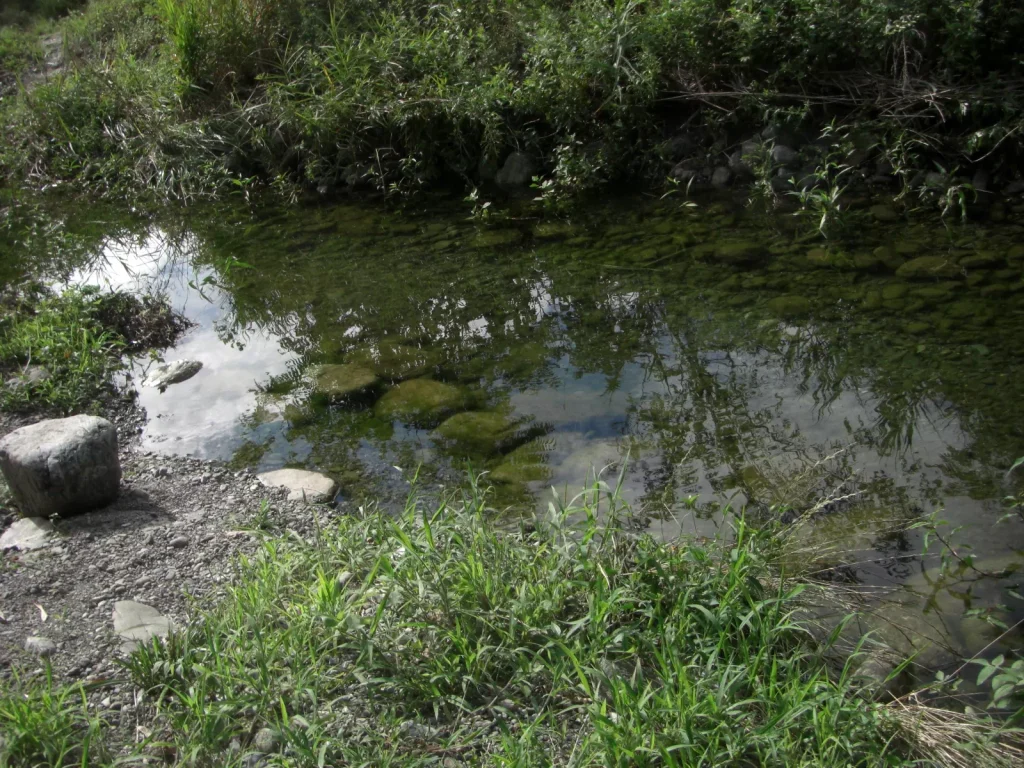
column 179, row 542
column 31, row 376
column 164, row 375
column 783, row 155
column 721, row 177
column 1014, row 188
column 936, row 180
column 739, row 162
column 301, row 484
column 62, row 466
column 43, row 647
column 981, row 181
column 27, row 534
column 265, row 741
column 137, row 623
column 681, row 145
column 517, row 171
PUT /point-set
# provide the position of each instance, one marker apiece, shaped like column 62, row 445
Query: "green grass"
column 444, row 634
column 191, row 97
column 44, row 724
column 79, row 338
column 63, row 336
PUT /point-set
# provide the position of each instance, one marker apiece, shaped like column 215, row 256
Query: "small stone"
column 721, row 177
column 265, row 741
column 925, row 267
column 164, row 375
column 27, row 534
column 43, row 647
column 783, row 155
column 179, row 542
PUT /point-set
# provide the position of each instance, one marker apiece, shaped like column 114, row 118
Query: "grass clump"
column 58, row 353
column 45, row 724
column 439, row 633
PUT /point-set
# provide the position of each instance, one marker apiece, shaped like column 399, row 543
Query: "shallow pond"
column 711, row 352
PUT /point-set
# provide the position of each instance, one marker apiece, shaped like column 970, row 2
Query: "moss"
column 790, row 306
column 421, row 402
column 526, row 464
column 928, row 267
column 343, row 380
column 478, row 433
column 740, row 252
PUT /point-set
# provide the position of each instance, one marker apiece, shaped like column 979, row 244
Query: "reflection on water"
column 710, row 353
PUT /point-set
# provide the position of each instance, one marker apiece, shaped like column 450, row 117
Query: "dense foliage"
column 190, row 95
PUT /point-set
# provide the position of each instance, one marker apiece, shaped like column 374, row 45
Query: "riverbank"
column 804, row 101
column 323, row 636
column 331, row 635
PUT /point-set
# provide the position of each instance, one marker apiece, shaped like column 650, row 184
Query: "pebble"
column 265, row 740
column 40, row 646
column 179, row 542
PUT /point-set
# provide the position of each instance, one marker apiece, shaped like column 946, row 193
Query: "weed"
column 43, row 723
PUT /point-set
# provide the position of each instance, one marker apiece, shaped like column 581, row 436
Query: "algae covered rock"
column 982, row 260
column 478, row 433
column 884, row 212
column 421, row 402
column 740, row 252
column 824, row 257
column 345, row 379
column 526, row 464
column 391, row 359
column 790, row 306
column 928, row 267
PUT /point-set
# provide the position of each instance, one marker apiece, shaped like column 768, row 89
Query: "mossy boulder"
column 526, row 464
column 393, row 360
column 344, row 380
column 928, row 267
column 478, row 433
column 790, row 306
column 740, row 252
column 882, row 212
column 421, row 402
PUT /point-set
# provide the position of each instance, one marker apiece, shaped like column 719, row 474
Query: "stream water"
column 710, row 352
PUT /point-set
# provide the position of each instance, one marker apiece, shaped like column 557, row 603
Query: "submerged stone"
column 925, row 267
column 391, row 359
column 888, row 256
column 790, row 306
column 526, row 464
column 884, row 213
column 982, row 260
column 740, row 252
column 478, row 433
column 421, row 402
column 342, row 380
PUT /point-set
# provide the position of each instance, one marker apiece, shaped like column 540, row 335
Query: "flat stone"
column 27, row 534
column 138, row 623
column 342, row 380
column 40, row 646
column 301, row 484
column 164, row 375
column 62, row 466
